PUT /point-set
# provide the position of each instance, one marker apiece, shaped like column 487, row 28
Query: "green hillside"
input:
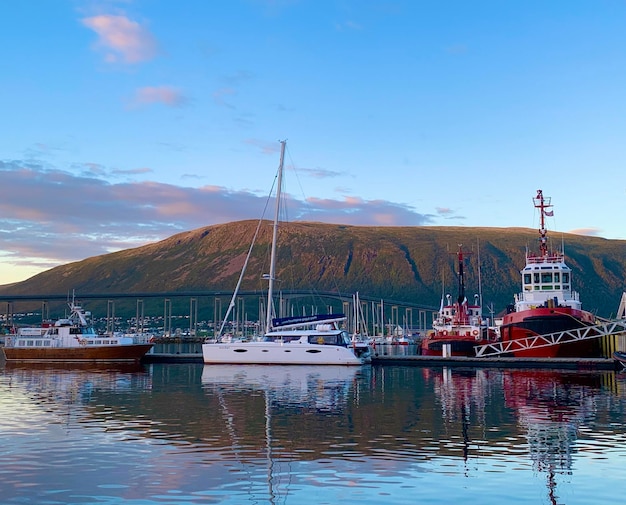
column 400, row 263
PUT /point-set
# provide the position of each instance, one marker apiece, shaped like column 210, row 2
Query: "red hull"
column 542, row 321
column 432, row 345
column 117, row 353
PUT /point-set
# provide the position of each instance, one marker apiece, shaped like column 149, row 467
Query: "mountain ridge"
column 406, row 263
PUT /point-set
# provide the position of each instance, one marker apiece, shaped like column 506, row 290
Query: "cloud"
column 68, row 217
column 121, row 39
column 221, row 94
column 356, row 211
column 320, row 173
column 158, row 94
column 592, row 232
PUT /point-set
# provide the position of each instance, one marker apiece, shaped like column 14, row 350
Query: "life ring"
column 475, row 333
column 444, row 332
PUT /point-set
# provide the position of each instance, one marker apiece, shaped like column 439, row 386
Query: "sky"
column 125, row 122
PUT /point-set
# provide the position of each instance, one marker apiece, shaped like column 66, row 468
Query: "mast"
column 542, row 204
column 270, row 290
column 461, row 296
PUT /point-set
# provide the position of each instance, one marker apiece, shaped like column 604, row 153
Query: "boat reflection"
column 73, row 383
column 322, row 388
column 316, row 389
column 549, row 407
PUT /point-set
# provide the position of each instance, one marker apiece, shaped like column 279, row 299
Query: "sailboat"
column 304, row 340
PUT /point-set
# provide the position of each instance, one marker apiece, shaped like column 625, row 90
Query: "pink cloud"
column 121, row 39
column 158, row 94
column 99, row 216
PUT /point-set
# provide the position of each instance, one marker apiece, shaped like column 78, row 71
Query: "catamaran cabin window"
column 546, row 277
column 281, row 338
column 330, row 339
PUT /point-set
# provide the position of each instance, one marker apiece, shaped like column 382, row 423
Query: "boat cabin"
column 546, row 281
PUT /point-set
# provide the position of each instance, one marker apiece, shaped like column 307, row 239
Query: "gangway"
column 621, row 310
column 606, row 327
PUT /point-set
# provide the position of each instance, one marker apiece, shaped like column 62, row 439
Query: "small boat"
column 303, row 340
column 459, row 326
column 71, row 340
column 547, row 303
column 620, row 357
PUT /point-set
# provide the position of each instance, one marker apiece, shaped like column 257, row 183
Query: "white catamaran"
column 306, row 340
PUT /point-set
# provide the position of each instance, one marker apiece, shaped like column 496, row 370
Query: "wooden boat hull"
column 111, row 354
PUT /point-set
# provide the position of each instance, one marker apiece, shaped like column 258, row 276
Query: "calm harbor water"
column 195, row 434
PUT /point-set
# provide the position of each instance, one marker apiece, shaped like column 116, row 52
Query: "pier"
column 436, row 361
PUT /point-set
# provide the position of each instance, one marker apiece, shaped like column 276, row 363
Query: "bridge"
column 378, row 314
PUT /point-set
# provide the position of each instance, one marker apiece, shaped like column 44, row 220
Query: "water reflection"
column 184, row 433
column 549, row 406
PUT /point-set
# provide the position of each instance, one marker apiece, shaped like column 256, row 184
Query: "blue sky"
column 125, row 122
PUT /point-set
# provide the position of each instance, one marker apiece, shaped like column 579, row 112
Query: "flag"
column 548, row 213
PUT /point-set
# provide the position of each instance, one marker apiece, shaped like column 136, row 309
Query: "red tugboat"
column 547, row 303
column 458, row 325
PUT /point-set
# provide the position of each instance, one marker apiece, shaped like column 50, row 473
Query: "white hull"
column 276, row 353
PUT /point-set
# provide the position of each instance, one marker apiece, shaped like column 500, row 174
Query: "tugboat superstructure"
column 547, row 302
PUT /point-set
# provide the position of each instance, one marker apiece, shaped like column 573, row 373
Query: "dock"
column 499, row 362
column 439, row 361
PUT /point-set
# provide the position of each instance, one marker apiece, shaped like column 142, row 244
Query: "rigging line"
column 305, row 200
column 231, row 305
column 284, row 209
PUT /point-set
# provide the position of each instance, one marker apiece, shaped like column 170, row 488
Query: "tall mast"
column 270, row 290
column 543, row 204
column 461, row 290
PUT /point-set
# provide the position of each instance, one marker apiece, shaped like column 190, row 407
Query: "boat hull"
column 111, row 354
column 620, row 357
column 272, row 353
column 458, row 347
column 543, row 321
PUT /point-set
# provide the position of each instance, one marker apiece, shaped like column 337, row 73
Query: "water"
column 194, row 434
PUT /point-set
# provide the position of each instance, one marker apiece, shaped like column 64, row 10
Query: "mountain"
column 408, row 264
